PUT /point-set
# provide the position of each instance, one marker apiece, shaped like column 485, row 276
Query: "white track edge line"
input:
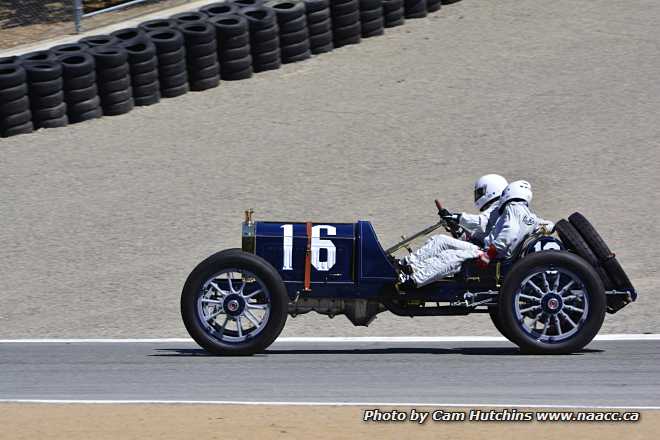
column 281, row 403
column 329, row 339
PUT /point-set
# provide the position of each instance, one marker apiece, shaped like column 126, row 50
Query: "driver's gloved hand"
column 450, row 217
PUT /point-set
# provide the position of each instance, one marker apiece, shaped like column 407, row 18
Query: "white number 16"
column 317, row 245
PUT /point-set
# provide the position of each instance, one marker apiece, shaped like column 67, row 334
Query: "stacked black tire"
column 46, row 87
column 393, row 13
column 172, row 67
column 15, row 115
column 264, row 38
column 415, row 8
column 219, row 8
column 201, row 55
column 294, row 34
column 233, row 36
column 99, row 40
column 159, row 24
column 80, row 90
column 113, row 79
column 372, row 21
column 433, row 5
column 143, row 67
column 346, row 28
column 319, row 26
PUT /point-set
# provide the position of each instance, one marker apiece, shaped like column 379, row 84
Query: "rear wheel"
column 552, row 303
column 234, row 303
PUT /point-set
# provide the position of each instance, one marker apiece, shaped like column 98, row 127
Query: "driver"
column 442, row 255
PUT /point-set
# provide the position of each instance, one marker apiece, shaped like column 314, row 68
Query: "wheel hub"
column 552, row 303
column 234, row 305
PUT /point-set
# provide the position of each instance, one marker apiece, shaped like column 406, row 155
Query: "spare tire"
column 574, row 242
column 593, row 238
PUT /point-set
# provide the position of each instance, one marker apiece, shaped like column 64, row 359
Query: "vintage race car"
column 550, row 297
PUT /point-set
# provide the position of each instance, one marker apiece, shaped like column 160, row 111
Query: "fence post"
column 78, row 12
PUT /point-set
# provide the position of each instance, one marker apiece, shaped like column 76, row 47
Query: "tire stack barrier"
column 172, row 70
column 233, row 36
column 68, row 49
column 157, row 25
column 15, row 115
column 393, row 13
column 371, row 18
column 415, row 8
column 346, row 28
column 113, row 79
column 201, row 55
column 8, row 60
column 38, row 56
column 189, row 17
column 129, row 36
column 433, row 5
column 219, row 8
column 143, row 67
column 80, row 91
column 319, row 25
column 45, row 86
column 99, row 40
column 294, row 34
column 264, row 38
column 248, row 3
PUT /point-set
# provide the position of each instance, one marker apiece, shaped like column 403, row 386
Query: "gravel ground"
column 101, row 222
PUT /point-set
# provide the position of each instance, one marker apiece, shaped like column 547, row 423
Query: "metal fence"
column 29, row 21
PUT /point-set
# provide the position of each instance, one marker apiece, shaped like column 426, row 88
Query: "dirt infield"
column 168, row 422
column 101, row 222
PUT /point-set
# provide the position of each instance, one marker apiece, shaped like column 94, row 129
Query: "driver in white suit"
column 442, row 255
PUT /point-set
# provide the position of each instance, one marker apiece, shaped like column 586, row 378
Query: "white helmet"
column 488, row 188
column 518, row 190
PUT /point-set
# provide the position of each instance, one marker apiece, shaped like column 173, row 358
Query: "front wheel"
column 552, row 303
column 234, row 303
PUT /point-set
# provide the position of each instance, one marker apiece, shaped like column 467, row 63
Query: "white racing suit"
column 442, row 255
column 478, row 226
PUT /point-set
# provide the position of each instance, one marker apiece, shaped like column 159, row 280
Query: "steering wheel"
column 453, row 228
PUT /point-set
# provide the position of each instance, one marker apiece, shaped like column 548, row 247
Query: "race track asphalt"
column 608, row 373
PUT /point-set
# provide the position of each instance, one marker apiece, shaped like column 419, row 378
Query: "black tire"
column 16, row 106
column 259, row 18
column 38, row 56
column 433, row 5
column 190, row 17
column 355, row 39
column 114, row 86
column 394, row 22
column 266, row 58
column 205, row 83
column 112, row 73
column 235, row 41
column 348, row 7
column 172, row 57
column 233, row 54
column 11, row 75
column 293, row 52
column 77, row 64
column 50, row 113
column 198, row 32
column 42, row 88
column 130, row 36
column 13, row 93
column 374, row 33
column 116, row 97
column 205, row 73
column 317, row 50
column 236, row 65
column 318, row 16
column 320, row 28
column 219, row 8
column 52, row 123
column 149, row 65
column 146, row 90
column 82, row 107
column 616, row 273
column 347, row 32
column 14, row 119
column 158, row 24
column 591, row 236
column 372, row 14
column 248, row 3
column 79, row 82
column 237, row 75
column 373, row 27
column 140, row 51
column 227, row 26
column 264, row 272
column 78, row 95
column 8, row 60
column 574, row 242
column 173, row 92
column 69, row 49
column 294, row 25
column 263, row 67
column 320, row 40
column 287, row 10
column 46, row 101
column 415, row 8
column 174, row 81
column 592, row 287
column 147, row 100
column 344, row 20
column 294, row 37
column 26, row 128
column 99, row 40
column 316, row 5
column 144, row 78
column 86, row 116
column 265, row 46
column 262, row 35
column 109, row 57
column 392, row 5
column 165, row 70
column 202, row 62
column 118, row 108
column 294, row 58
column 493, row 312
column 166, row 40
column 201, row 49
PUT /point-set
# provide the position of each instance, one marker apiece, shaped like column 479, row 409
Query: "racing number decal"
column 317, row 245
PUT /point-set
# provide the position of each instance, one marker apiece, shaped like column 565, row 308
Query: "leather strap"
column 308, row 259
